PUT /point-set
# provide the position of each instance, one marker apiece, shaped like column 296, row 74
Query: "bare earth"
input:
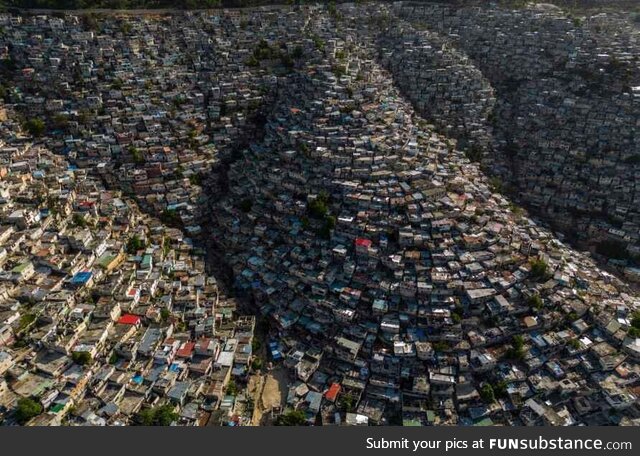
column 269, row 391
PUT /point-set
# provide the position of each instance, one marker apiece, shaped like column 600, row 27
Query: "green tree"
column 518, row 342
column 137, row 155
column 25, row 321
column 113, row 358
column 165, row 314
column 117, row 84
column 232, row 388
column 517, row 348
column 487, row 394
column 256, row 364
column 162, row 415
column 35, row 127
column 78, row 220
column 318, row 207
column 82, row 358
column 500, row 389
column 297, row 52
column 539, row 269
column 495, row 184
column 329, row 224
column 144, row 417
column 535, row 302
column 252, row 61
column 338, row 70
column 574, row 343
column 318, row 42
column 332, row 9
column 330, row 221
column 134, row 244
column 347, row 402
column 125, row 27
column 27, row 409
column 292, row 418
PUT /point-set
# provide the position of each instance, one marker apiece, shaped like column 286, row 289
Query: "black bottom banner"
column 338, row 441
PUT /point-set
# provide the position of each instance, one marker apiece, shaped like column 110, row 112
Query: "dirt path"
column 254, row 390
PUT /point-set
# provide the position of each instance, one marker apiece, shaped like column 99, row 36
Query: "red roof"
column 186, row 350
column 361, row 242
column 128, row 319
column 333, row 391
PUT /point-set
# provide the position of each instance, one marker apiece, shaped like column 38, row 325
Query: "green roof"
column 106, row 259
column 56, row 408
column 484, row 422
column 411, row 422
column 21, row 267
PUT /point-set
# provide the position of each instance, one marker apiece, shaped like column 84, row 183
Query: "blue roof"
column 82, row 277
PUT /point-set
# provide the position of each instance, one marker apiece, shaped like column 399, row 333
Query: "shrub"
column 517, row 349
column 292, row 418
column 232, row 388
column 539, row 269
column 35, row 127
column 134, row 244
column 162, row 415
column 535, row 302
column 82, row 358
column 27, row 409
column 256, row 364
column 318, row 208
column 487, row 394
